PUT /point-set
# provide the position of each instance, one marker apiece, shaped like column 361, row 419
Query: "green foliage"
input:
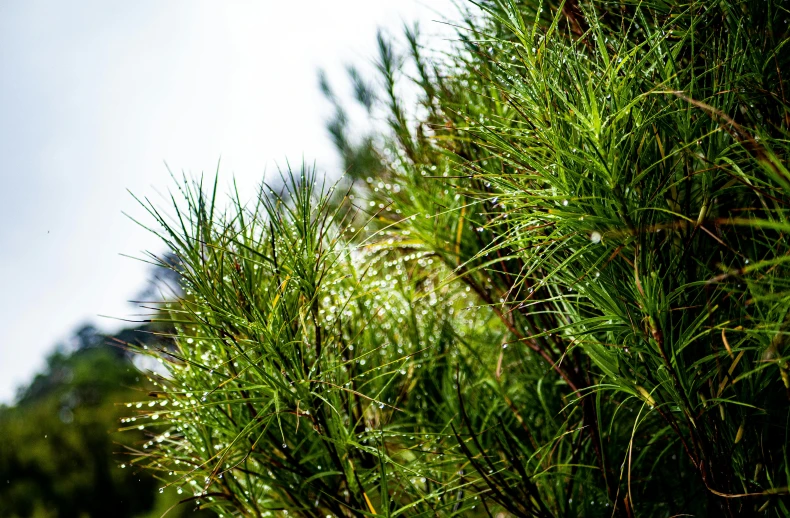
column 560, row 289
column 58, row 457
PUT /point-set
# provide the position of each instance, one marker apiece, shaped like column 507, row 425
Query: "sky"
column 95, row 98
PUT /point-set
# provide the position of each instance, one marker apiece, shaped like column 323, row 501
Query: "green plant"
column 561, row 291
column 57, row 458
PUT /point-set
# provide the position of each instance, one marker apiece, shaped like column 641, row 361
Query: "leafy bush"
column 560, row 289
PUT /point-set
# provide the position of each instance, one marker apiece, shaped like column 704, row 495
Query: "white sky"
column 95, row 95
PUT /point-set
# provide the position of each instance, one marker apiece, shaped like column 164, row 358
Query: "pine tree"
column 555, row 287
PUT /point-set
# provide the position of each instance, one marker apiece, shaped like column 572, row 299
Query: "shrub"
column 560, row 289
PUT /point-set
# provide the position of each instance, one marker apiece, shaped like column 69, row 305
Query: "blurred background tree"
column 61, row 455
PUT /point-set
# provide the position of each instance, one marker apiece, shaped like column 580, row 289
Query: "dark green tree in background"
column 57, row 456
column 61, row 454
